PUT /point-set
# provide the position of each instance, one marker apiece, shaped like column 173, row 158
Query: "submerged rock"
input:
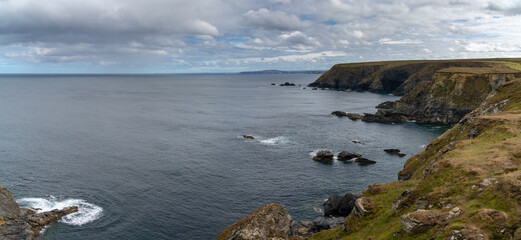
column 354, row 116
column 339, row 205
column 24, row 224
column 364, row 161
column 271, row 221
column 347, row 155
column 324, row 156
column 248, row 137
column 396, row 152
column 339, row 114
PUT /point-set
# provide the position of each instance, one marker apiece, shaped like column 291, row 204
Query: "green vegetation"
column 475, row 166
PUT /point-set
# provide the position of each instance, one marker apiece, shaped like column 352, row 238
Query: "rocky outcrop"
column 394, row 151
column 339, row 205
column 363, row 207
column 347, row 156
column 421, row 221
column 354, row 116
column 271, row 221
column 324, row 156
column 24, row 224
column 363, row 161
column 384, row 117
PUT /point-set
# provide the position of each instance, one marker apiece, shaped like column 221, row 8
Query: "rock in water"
column 324, row 156
column 347, row 155
column 271, row 221
column 339, row 206
column 248, row 137
column 364, row 161
column 339, row 114
column 24, row 224
column 354, row 116
column 396, row 152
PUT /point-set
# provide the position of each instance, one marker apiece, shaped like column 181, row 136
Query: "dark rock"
column 314, row 88
column 357, row 142
column 347, row 155
column 335, row 222
column 321, row 224
column 385, row 118
column 354, row 116
column 271, row 221
column 364, row 161
column 248, row 137
column 24, row 224
column 395, row 152
column 324, row 156
column 339, row 114
column 273, row 84
column 386, row 105
column 286, row 84
column 338, row 205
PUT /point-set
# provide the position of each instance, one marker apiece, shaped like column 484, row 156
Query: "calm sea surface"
column 162, row 157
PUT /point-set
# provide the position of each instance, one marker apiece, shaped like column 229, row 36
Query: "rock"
column 375, row 188
column 248, row 137
column 339, row 114
column 286, row 84
column 357, row 142
column 395, row 152
column 306, row 227
column 403, row 176
column 338, row 205
column 273, row 84
column 24, row 224
column 314, row 88
column 487, row 182
column 421, row 221
column 271, row 221
column 386, row 105
column 335, row 222
column 363, row 161
column 8, row 206
column 320, row 224
column 363, row 207
column 470, row 233
column 347, row 155
column 385, row 118
column 324, row 156
column 403, row 201
column 354, row 116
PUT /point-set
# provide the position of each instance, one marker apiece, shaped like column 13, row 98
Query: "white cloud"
column 272, row 20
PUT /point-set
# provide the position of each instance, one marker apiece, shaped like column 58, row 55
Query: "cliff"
column 438, row 91
column 24, row 224
column 465, row 185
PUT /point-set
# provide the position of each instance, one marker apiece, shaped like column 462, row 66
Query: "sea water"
column 163, row 157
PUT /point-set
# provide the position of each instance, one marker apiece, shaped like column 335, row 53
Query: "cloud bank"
column 228, row 36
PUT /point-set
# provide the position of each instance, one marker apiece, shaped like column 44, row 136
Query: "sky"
column 189, row 36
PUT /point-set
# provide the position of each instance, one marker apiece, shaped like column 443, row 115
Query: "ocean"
column 163, row 157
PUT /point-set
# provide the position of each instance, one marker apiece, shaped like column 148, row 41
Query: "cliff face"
column 441, row 91
column 465, row 185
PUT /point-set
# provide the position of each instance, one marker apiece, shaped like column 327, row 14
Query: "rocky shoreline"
column 23, row 223
column 465, row 184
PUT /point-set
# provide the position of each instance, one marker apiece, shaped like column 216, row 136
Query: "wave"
column 275, row 140
column 87, row 212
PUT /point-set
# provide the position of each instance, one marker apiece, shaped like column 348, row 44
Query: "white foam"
column 87, row 212
column 314, row 153
column 275, row 140
column 423, row 146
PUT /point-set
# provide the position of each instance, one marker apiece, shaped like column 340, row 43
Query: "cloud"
column 506, row 8
column 272, row 20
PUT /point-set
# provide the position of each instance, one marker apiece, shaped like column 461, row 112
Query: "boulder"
column 421, row 221
column 248, row 137
column 286, row 84
column 8, row 206
column 363, row 207
column 354, row 116
column 347, row 155
column 339, row 205
column 324, row 156
column 306, row 227
column 363, row 161
column 335, row 222
column 339, row 114
column 24, row 224
column 271, row 221
column 320, row 224
column 396, row 152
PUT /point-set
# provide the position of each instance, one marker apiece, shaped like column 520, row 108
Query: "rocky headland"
column 466, row 183
column 22, row 223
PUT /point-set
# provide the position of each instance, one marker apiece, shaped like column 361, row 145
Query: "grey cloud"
column 512, row 9
column 272, row 20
